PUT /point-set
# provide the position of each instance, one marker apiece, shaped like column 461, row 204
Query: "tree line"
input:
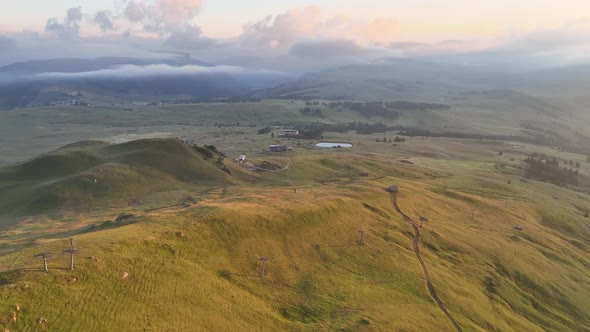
column 546, row 168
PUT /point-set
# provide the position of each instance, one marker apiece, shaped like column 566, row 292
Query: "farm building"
column 393, row 189
column 278, row 148
column 289, row 133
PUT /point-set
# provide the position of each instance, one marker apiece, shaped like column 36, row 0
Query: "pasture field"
column 175, row 266
column 186, row 256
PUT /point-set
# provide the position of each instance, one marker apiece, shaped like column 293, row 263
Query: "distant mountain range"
column 111, row 80
column 420, row 80
column 125, row 80
column 384, row 79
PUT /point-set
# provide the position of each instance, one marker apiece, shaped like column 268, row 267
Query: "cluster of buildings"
column 287, row 133
column 71, row 102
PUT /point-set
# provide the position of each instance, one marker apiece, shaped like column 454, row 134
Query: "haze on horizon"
column 543, row 33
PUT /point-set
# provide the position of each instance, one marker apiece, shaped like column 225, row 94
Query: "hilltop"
column 89, row 174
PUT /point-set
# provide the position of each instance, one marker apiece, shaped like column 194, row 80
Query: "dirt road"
column 416, row 249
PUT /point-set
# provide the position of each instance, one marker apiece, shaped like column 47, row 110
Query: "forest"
column 548, row 169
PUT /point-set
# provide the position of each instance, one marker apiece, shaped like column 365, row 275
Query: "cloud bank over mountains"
column 157, row 70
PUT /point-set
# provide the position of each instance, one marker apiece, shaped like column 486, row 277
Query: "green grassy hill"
column 198, row 268
column 91, row 174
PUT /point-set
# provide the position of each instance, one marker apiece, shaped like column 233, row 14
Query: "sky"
column 302, row 29
column 419, row 19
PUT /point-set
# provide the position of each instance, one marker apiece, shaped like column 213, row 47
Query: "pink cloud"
column 308, row 23
column 376, row 31
column 178, row 10
column 163, row 15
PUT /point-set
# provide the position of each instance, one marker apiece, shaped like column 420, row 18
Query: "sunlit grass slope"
column 198, row 268
column 90, row 174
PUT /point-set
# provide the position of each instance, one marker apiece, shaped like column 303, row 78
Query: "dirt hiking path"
column 416, row 249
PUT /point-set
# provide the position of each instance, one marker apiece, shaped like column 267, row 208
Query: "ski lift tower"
column 72, row 251
column 44, row 255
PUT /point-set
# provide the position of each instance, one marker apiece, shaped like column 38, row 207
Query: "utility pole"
column 472, row 213
column 362, row 232
column 263, row 260
column 72, row 251
column 44, row 255
column 422, row 220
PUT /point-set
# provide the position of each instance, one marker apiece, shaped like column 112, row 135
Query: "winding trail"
column 416, row 249
column 271, row 170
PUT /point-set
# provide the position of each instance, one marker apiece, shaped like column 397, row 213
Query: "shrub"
column 224, row 273
column 490, row 284
column 364, row 322
column 206, row 153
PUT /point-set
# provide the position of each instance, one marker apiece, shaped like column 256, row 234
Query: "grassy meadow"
column 188, row 255
column 190, row 267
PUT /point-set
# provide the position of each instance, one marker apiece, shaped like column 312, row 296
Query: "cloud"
column 445, row 47
column 136, row 11
column 104, row 20
column 297, row 38
column 162, row 16
column 326, row 48
column 171, row 11
column 135, row 28
column 157, row 70
column 376, row 31
column 541, row 47
column 189, row 37
column 40, row 46
column 284, row 29
column 7, row 42
column 306, row 23
column 572, row 35
column 138, row 26
column 69, row 28
column 564, row 42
